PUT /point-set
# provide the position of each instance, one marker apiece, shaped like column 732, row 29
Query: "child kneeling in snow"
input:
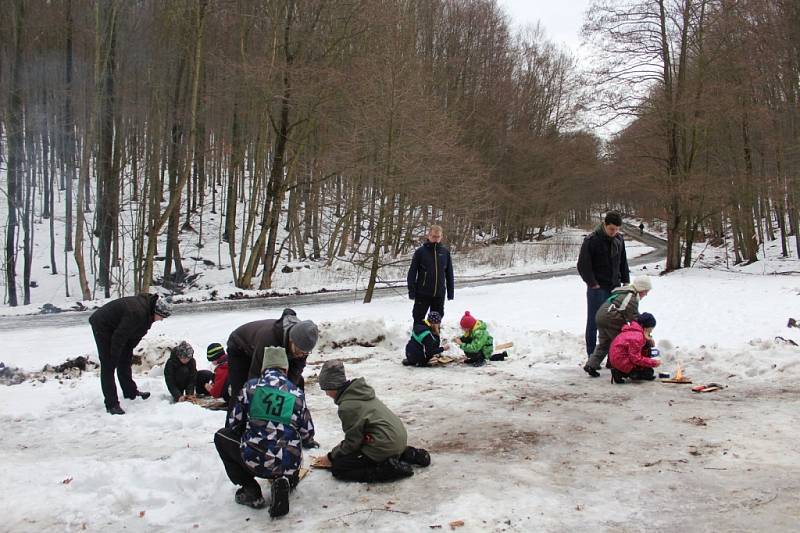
column 267, row 430
column 476, row 341
column 375, row 440
column 180, row 372
column 424, row 342
column 214, row 384
column 628, row 351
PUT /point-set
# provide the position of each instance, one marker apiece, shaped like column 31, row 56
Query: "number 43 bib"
column 272, row 404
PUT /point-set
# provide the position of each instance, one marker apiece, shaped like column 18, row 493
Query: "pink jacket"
column 626, row 349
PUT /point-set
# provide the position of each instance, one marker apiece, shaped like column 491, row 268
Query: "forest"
column 319, row 129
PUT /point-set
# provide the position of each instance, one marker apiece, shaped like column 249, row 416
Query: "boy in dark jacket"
column 118, row 327
column 375, row 440
column 424, row 342
column 266, row 432
column 430, row 276
column 180, row 372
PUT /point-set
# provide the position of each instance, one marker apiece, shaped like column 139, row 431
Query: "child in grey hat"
column 375, row 446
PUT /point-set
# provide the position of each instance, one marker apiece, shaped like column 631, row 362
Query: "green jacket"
column 478, row 340
column 369, row 426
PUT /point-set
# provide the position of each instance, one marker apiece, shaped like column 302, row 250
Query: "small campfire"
column 679, row 376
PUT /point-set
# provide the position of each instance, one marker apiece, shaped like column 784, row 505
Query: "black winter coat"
column 602, row 260
column 253, row 337
column 126, row 320
column 422, row 346
column 431, row 272
column 180, row 377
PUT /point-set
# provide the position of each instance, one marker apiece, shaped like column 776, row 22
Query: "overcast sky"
column 561, row 19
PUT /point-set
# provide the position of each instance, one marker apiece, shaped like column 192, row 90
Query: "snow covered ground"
column 529, row 444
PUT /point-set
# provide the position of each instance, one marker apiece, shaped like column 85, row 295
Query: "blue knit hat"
column 435, row 317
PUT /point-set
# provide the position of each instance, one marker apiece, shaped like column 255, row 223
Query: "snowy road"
column 278, row 302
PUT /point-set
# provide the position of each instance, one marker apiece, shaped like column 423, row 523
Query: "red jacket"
column 220, row 380
column 626, row 349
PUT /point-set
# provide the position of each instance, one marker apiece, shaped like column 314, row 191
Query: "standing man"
column 603, row 265
column 431, row 272
column 247, row 342
column 118, row 327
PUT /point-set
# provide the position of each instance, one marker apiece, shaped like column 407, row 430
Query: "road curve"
column 71, row 318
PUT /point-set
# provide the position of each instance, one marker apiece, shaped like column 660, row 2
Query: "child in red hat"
column 476, row 341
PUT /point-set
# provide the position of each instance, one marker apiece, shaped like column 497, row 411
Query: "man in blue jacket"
column 430, row 275
column 603, row 265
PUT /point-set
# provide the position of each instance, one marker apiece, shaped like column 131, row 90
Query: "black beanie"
column 214, row 351
column 646, row 320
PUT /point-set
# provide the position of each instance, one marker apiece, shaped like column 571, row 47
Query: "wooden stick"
column 504, row 346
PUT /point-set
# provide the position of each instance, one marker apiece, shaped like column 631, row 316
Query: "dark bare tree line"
column 317, row 129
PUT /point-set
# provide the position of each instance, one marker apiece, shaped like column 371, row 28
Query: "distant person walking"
column 430, row 276
column 118, row 327
column 603, row 265
column 641, row 229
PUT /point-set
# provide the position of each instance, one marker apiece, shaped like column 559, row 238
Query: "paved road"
column 74, row 317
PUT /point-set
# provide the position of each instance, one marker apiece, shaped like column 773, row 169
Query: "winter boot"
column 251, row 497
column 617, row 377
column 406, row 362
column 115, row 410
column 416, row 456
column 499, row 356
column 389, row 470
column 480, row 361
column 143, row 395
column 279, row 505
column 591, row 371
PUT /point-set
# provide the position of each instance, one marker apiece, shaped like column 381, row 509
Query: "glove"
column 310, row 444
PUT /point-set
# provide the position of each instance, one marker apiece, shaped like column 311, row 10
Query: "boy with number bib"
column 267, row 429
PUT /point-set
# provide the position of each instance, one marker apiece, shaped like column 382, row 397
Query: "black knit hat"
column 646, row 320
column 214, row 351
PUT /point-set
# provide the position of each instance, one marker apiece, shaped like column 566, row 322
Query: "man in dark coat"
column 118, row 327
column 430, row 276
column 603, row 265
column 247, row 342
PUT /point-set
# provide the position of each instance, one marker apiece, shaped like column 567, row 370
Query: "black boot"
column 499, row 356
column 143, row 395
column 251, row 497
column 115, row 410
column 617, row 377
column 406, row 362
column 591, row 371
column 391, row 469
column 416, row 456
column 279, row 505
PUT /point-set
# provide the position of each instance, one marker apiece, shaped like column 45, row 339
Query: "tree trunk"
column 14, row 134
